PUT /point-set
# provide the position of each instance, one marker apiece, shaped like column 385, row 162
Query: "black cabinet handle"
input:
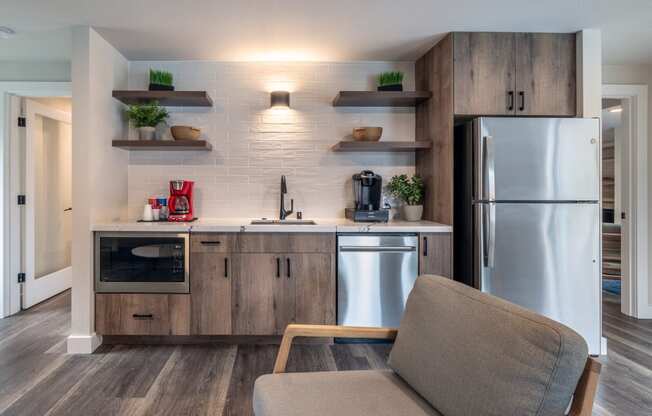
column 288, row 270
column 226, row 267
column 521, row 95
column 425, row 246
column 142, row 316
column 510, row 100
column 278, row 267
column 211, row 243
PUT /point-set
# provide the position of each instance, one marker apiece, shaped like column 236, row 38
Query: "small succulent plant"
column 390, row 78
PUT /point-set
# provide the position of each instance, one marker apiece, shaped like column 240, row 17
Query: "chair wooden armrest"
column 298, row 330
column 586, row 388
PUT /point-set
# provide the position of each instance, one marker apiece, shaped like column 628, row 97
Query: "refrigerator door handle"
column 489, row 168
column 490, row 253
column 478, row 153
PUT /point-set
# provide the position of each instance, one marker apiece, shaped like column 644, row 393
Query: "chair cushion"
column 470, row 353
column 342, row 393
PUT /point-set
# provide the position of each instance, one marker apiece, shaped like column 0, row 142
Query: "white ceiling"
column 332, row 30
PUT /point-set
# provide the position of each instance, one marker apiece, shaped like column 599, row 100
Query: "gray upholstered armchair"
column 458, row 352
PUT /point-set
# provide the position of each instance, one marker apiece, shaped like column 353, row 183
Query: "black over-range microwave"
column 141, row 262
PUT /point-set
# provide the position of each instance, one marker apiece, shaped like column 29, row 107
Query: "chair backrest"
column 470, row 353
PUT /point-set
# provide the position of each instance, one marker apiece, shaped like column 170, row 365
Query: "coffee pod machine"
column 180, row 204
column 367, row 191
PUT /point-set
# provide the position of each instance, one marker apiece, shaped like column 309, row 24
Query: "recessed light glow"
column 6, row 32
column 616, row 109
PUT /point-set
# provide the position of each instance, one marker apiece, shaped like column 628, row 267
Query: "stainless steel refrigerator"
column 527, row 215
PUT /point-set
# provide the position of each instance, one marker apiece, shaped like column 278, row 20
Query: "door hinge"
column 22, row 122
column 623, row 216
column 21, row 277
column 21, row 199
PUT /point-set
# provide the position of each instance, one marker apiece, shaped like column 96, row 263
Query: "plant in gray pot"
column 410, row 191
column 145, row 118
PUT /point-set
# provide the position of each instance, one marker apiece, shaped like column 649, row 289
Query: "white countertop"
column 323, row 225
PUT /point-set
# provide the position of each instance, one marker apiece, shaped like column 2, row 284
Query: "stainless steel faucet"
column 284, row 190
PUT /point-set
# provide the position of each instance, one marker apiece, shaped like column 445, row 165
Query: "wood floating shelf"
column 165, row 98
column 175, row 145
column 380, row 98
column 351, row 146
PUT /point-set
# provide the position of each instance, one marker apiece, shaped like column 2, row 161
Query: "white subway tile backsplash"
column 254, row 145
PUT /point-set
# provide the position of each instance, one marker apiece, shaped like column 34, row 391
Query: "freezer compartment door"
column 374, row 278
column 544, row 257
column 536, row 159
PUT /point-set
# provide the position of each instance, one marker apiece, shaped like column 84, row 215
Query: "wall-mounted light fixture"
column 280, row 99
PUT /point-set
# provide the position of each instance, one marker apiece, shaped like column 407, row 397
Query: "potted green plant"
column 160, row 80
column 390, row 81
column 410, row 191
column 145, row 118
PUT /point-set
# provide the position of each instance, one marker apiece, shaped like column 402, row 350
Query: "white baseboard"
column 83, row 344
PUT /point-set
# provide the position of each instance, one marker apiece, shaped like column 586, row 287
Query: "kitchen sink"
column 282, row 222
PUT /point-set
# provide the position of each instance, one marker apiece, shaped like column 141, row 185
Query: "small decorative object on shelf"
column 145, row 117
column 410, row 191
column 367, row 134
column 185, row 132
column 390, row 81
column 160, row 80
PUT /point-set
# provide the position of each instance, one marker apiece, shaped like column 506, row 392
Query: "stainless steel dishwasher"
column 375, row 274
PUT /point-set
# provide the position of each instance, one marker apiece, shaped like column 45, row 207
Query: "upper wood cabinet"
column 509, row 74
column 484, row 66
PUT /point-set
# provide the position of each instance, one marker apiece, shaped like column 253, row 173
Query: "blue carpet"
column 611, row 286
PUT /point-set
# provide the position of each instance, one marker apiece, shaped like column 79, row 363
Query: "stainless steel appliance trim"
column 478, row 159
column 378, row 248
column 142, row 287
column 491, row 234
column 489, row 175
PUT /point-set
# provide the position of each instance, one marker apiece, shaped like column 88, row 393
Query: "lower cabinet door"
column 263, row 292
column 314, row 278
column 435, row 254
column 142, row 314
column 210, row 289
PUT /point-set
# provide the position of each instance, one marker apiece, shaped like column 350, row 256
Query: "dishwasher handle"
column 374, row 249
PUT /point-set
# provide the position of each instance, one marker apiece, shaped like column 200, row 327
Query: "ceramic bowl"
column 185, row 132
column 367, row 134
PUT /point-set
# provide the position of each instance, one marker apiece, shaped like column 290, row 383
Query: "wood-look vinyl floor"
column 38, row 378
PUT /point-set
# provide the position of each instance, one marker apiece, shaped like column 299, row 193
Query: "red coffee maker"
column 180, row 202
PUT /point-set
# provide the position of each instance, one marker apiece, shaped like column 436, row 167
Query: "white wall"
column 34, row 71
column 636, row 74
column 99, row 171
column 254, row 145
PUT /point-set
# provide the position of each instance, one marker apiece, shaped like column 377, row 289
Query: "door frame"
column 635, row 284
column 9, row 185
column 60, row 280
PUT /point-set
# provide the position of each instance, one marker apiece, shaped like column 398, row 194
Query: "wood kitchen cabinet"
column 435, row 254
column 142, row 314
column 262, row 296
column 210, row 285
column 514, row 74
column 314, row 278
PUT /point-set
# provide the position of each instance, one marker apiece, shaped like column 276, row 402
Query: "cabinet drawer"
column 263, row 242
column 142, row 314
column 311, row 243
column 213, row 242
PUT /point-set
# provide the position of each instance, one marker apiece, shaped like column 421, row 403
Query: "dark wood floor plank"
column 37, row 378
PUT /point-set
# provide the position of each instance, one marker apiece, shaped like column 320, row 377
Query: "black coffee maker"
column 367, row 191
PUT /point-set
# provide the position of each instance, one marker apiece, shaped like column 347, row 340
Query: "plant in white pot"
column 145, row 118
column 410, row 191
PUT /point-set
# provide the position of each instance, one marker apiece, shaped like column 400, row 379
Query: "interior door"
column 262, row 294
column 484, row 65
column 545, row 257
column 47, row 237
column 545, row 74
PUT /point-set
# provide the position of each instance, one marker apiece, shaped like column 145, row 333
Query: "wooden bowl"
column 185, row 132
column 367, row 134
